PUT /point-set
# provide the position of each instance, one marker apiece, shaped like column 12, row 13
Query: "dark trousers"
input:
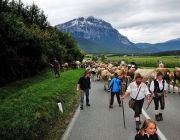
column 158, row 100
column 138, row 107
column 86, row 93
column 112, row 97
column 56, row 72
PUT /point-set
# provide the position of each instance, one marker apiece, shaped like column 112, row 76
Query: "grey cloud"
column 136, row 19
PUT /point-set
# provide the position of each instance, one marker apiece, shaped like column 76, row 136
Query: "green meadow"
column 29, row 110
column 149, row 61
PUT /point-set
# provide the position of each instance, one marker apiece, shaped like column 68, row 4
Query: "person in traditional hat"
column 158, row 89
column 138, row 91
column 114, row 85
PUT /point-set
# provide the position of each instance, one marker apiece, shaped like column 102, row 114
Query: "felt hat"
column 138, row 76
column 159, row 73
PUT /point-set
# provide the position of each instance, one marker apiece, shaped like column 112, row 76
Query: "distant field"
column 149, row 61
column 145, row 61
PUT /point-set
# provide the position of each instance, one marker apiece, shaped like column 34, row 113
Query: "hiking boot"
column 157, row 117
column 88, row 104
column 160, row 117
column 110, row 106
column 120, row 105
column 81, row 107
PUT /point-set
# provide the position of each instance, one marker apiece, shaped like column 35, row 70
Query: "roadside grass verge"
column 29, row 110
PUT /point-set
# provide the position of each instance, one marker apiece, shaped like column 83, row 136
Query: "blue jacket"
column 114, row 85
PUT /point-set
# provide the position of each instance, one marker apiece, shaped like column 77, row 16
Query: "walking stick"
column 150, row 103
column 123, row 109
column 151, row 100
column 123, row 114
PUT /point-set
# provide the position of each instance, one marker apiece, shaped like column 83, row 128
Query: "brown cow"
column 78, row 64
column 147, row 74
column 161, row 65
column 106, row 77
column 65, row 66
column 98, row 73
column 93, row 73
column 176, row 78
column 130, row 73
column 122, row 74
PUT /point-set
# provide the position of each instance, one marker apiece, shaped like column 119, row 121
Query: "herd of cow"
column 105, row 72
column 74, row 65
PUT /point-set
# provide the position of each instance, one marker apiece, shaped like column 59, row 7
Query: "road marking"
column 160, row 134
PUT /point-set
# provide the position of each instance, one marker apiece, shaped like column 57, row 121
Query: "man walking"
column 138, row 91
column 114, row 85
column 158, row 87
column 56, row 67
column 84, row 84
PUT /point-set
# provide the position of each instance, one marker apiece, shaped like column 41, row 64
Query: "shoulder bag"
column 132, row 101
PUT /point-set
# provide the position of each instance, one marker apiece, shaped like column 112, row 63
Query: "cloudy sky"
column 151, row 21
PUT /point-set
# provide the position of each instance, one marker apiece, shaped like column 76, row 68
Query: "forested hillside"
column 28, row 42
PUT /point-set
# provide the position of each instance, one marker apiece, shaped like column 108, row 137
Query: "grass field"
column 147, row 61
column 29, row 110
column 155, row 58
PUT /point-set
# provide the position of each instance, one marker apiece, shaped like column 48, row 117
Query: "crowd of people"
column 138, row 91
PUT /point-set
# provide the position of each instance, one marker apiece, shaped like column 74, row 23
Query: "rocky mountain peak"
column 98, row 31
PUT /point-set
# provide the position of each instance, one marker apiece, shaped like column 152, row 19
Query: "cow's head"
column 171, row 76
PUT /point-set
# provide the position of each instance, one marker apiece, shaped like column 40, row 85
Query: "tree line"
column 167, row 53
column 28, row 42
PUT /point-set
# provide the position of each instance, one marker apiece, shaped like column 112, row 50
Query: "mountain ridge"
column 98, row 31
column 98, row 36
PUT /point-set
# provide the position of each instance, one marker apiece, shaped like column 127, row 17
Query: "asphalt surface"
column 98, row 122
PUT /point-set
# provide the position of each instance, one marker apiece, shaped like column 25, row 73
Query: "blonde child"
column 148, row 131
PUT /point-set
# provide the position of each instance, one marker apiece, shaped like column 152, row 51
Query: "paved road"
column 97, row 122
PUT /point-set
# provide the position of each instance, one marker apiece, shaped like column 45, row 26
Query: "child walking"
column 148, row 131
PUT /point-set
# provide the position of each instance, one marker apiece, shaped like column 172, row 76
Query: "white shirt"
column 122, row 62
column 133, row 90
column 160, row 85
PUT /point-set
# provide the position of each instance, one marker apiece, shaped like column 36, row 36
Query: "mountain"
column 161, row 47
column 97, row 36
column 148, row 48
